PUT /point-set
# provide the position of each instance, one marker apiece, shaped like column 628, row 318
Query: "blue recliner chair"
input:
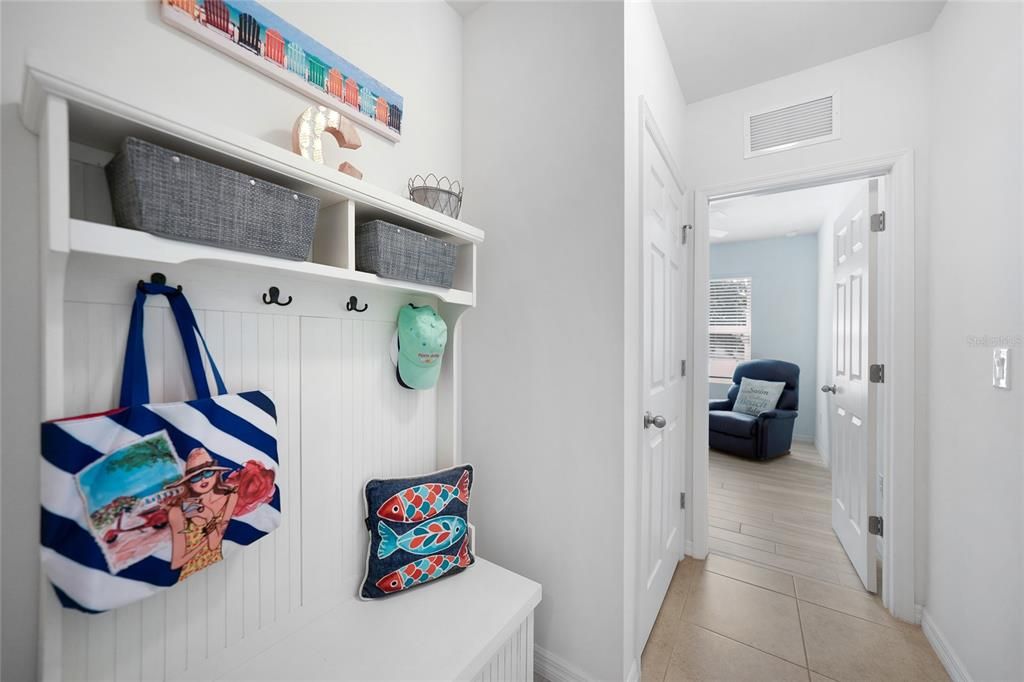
column 767, row 435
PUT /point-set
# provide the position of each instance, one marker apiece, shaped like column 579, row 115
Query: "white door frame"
column 896, row 326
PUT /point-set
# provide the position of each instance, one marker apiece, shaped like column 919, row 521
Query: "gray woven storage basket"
column 172, row 195
column 397, row 253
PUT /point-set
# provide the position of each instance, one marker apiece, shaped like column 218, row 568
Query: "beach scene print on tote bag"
column 143, row 501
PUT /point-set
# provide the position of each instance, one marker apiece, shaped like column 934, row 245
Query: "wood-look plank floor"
column 777, row 514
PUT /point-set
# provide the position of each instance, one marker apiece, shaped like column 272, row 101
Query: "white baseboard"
column 634, row 672
column 822, row 448
column 688, row 551
column 555, row 668
column 950, row 661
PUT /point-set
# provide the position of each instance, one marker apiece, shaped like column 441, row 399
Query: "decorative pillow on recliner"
column 419, row 530
column 757, row 396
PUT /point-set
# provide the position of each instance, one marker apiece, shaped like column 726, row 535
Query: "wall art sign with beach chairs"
column 256, row 36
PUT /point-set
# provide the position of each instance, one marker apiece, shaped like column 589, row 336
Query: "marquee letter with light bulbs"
column 307, row 136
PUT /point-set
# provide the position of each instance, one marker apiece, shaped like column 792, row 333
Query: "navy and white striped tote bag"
column 137, row 499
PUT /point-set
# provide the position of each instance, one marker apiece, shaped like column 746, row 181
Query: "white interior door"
column 853, row 394
column 662, row 452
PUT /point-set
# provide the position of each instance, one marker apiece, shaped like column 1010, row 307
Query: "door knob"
column 829, row 389
column 649, row 420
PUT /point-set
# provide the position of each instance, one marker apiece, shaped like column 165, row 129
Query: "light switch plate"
column 1001, row 367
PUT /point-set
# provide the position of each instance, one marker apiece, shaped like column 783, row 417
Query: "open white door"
column 662, row 450
column 853, row 392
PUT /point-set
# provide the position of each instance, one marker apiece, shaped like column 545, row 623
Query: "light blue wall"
column 784, row 307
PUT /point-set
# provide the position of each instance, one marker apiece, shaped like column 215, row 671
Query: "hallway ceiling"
column 465, row 7
column 720, row 46
column 801, row 211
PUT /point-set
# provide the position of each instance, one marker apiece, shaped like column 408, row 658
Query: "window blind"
column 728, row 325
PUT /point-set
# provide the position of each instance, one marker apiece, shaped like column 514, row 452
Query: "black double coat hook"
column 353, row 305
column 157, row 278
column 274, row 296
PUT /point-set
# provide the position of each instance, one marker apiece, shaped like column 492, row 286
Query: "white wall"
column 648, row 74
column 413, row 47
column 542, row 373
column 974, row 593
column 885, row 103
column 127, row 42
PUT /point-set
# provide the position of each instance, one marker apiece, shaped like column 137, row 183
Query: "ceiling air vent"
column 797, row 125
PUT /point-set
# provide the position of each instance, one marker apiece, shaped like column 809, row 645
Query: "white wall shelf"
column 107, row 240
column 102, row 120
column 97, row 122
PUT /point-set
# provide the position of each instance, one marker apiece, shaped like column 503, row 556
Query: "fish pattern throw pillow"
column 419, row 530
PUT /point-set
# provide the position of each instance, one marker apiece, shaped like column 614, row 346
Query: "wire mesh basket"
column 440, row 194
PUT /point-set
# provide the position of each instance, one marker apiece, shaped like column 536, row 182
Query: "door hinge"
column 682, row 500
column 682, row 368
column 878, row 222
column 684, row 229
column 876, row 374
column 875, row 525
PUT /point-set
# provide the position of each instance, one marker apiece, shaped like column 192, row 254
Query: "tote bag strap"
column 134, row 378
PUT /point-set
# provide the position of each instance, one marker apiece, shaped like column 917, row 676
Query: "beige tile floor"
column 785, row 604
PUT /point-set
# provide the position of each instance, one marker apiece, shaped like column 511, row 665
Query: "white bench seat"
column 447, row 631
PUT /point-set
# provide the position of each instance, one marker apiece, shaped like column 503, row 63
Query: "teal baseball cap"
column 422, row 335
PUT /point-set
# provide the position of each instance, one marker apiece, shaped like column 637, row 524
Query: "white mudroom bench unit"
column 284, row 607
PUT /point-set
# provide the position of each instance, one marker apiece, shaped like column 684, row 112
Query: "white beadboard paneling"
column 514, row 660
column 267, row 548
column 289, row 443
column 384, row 430
column 321, row 483
column 357, row 423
